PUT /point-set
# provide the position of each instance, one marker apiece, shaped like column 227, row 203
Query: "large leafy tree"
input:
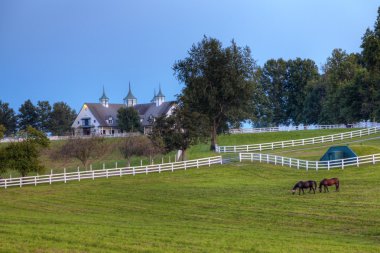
column 219, row 83
column 44, row 115
column 28, row 115
column 128, row 119
column 299, row 73
column 23, row 156
column 371, row 60
column 61, row 118
column 180, row 130
column 7, row 118
column 273, row 79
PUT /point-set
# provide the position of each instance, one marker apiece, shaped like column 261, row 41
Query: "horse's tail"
column 337, row 184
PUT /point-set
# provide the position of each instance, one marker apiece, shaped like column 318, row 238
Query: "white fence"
column 299, row 142
column 302, row 127
column 309, row 165
column 92, row 174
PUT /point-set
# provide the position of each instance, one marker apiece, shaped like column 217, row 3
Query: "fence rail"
column 299, row 142
column 92, row 174
column 310, row 165
column 302, row 127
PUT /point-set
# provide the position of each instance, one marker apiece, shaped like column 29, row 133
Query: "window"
column 94, row 121
column 110, row 120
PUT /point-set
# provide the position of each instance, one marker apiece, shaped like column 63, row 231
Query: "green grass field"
column 229, row 208
column 239, row 207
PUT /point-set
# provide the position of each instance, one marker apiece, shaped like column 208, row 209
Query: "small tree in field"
column 180, row 130
column 136, row 146
column 2, row 131
column 83, row 149
column 23, row 156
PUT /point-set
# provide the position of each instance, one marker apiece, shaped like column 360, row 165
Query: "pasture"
column 227, row 208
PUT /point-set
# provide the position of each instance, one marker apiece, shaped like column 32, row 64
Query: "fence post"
column 328, row 165
column 209, row 163
column 251, row 157
column 357, row 161
column 64, row 174
column 5, row 183
column 78, row 174
column 221, row 160
column 316, row 165
column 197, row 163
column 267, row 158
column 106, row 173
column 275, row 160
column 298, row 164
column 282, row 161
column 234, row 149
column 93, row 175
column 260, row 157
column 322, row 140
column 260, row 146
column 51, row 173
column 146, row 170
column 133, row 171
column 35, row 180
column 307, row 165
column 272, row 146
column 373, row 159
column 20, row 181
column 341, row 136
column 290, row 162
column 120, row 172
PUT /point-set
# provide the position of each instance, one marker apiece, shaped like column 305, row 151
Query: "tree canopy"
column 219, row 83
column 128, row 119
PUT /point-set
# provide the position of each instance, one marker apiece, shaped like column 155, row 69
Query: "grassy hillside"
column 230, row 208
column 365, row 145
column 244, row 139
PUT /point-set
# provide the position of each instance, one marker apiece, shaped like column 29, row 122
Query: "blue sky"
column 66, row 50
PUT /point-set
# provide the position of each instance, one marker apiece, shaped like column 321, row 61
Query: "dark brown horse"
column 329, row 182
column 312, row 185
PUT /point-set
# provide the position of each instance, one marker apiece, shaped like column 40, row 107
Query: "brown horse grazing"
column 329, row 182
column 312, row 185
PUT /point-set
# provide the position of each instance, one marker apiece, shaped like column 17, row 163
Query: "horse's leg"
column 303, row 191
column 327, row 189
column 337, row 186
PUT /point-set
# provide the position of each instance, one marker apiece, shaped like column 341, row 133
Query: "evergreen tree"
column 7, row 118
column 128, row 119
column 27, row 116
column 61, row 119
column 44, row 116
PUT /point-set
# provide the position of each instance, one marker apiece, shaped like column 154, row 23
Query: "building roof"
column 102, row 113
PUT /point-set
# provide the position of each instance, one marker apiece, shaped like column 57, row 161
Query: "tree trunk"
column 213, row 136
column 183, row 155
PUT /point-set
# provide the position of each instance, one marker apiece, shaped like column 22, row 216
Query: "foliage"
column 83, row 149
column 180, row 130
column 23, row 156
column 27, row 116
column 219, row 83
column 61, row 118
column 128, row 119
column 137, row 146
column 44, row 116
column 7, row 118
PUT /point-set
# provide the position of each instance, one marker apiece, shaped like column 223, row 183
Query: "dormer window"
column 110, row 120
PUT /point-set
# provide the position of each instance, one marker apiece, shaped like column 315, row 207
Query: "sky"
column 67, row 50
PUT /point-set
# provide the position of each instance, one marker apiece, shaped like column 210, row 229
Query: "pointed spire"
column 104, row 95
column 154, row 97
column 129, row 95
column 160, row 94
column 104, row 99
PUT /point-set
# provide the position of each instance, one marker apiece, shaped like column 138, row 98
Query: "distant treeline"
column 56, row 119
column 347, row 90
